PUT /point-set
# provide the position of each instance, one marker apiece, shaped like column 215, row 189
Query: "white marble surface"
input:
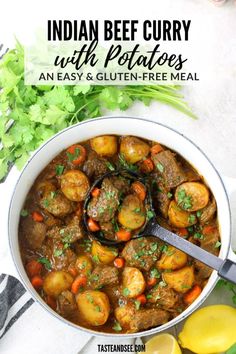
column 214, row 103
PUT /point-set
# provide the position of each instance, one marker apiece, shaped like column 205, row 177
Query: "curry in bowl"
column 141, row 283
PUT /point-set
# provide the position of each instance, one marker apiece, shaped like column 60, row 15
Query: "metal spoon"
column 226, row 268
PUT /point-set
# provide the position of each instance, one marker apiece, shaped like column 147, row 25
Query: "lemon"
column 162, row 344
column 210, row 330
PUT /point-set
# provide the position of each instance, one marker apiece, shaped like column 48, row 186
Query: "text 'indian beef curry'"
column 141, row 283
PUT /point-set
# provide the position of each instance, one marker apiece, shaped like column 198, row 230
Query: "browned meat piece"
column 163, row 295
column 104, row 275
column 70, row 233
column 211, row 236
column 141, row 253
column 203, row 270
column 147, row 318
column 51, row 170
column 66, row 304
column 189, row 171
column 56, row 203
column 122, row 184
column 59, row 254
column 50, row 221
column 169, row 169
column 33, row 232
column 108, row 230
column 103, row 207
column 208, row 212
column 162, row 199
column 95, row 166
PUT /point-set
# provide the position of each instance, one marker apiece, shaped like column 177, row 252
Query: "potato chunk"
column 133, row 149
column 56, row 282
column 133, row 282
column 180, row 280
column 132, row 212
column 192, row 196
column 102, row 253
column 105, row 145
column 75, row 185
column 125, row 314
column 179, row 217
column 172, row 259
column 94, row 307
column 84, row 264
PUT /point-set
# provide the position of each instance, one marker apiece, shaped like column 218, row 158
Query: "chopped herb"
column 149, row 296
column 117, row 327
column 190, row 229
column 126, row 165
column 184, row 286
column 191, row 218
column 110, row 166
column 137, row 304
column 199, row 213
column 53, row 194
column 24, row 212
column 153, row 246
column 74, row 156
column 46, row 203
column 198, row 235
column 62, row 231
column 59, row 169
column 229, row 286
column 98, row 308
column 155, row 273
column 217, row 244
column 157, row 297
column 150, row 214
column 169, row 195
column 160, row 167
column 45, row 262
column 101, row 210
column 90, row 298
column 184, row 200
column 162, row 284
column 126, row 291
column 58, row 252
column 95, row 258
column 110, row 195
column 137, row 210
column 164, row 248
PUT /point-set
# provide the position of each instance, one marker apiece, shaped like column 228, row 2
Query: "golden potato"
column 179, row 217
column 180, row 280
column 124, row 315
column 132, row 212
column 172, row 259
column 84, row 264
column 57, row 281
column 133, row 283
column 74, row 185
column 102, row 253
column 133, row 149
column 192, row 196
column 105, row 145
column 94, row 307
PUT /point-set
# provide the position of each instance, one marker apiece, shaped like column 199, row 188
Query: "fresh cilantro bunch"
column 38, row 112
column 229, row 286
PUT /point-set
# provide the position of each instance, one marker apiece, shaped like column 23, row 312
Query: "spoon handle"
column 153, row 229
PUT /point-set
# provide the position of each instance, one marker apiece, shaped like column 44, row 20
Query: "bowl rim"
column 196, row 304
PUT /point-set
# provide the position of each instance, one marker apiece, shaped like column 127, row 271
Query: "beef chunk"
column 56, row 203
column 70, row 233
column 104, row 275
column 103, row 207
column 122, row 184
column 59, row 254
column 66, row 304
column 141, row 253
column 203, row 270
column 108, row 230
column 33, row 232
column 169, row 169
column 210, row 237
column 164, row 296
column 208, row 212
column 162, row 199
column 147, row 318
column 95, row 166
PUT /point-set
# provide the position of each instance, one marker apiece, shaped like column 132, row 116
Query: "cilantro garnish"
column 59, row 169
column 58, row 252
column 126, row 291
column 184, row 200
column 117, row 327
column 45, row 262
column 160, row 167
column 24, row 212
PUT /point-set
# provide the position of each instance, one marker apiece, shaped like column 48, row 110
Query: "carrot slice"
column 147, row 166
column 142, row 299
column 78, row 283
column 182, row 232
column 73, row 271
column 151, row 282
column 139, row 189
column 207, row 230
column 37, row 216
column 123, row 235
column 119, row 262
column 76, row 154
column 33, row 268
column 93, row 225
column 95, row 192
column 155, row 149
column 37, row 282
column 192, row 294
